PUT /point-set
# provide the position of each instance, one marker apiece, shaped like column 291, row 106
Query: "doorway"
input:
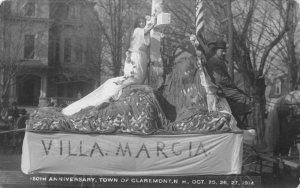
column 28, row 90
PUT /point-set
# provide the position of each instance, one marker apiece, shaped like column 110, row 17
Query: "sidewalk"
column 284, row 181
column 10, row 162
column 10, row 167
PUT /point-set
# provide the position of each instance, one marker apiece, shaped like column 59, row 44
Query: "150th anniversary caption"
column 188, row 181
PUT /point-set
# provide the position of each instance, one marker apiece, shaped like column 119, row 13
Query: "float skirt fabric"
column 131, row 155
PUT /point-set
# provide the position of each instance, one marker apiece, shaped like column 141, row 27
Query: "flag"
column 211, row 97
column 199, row 17
column 200, row 23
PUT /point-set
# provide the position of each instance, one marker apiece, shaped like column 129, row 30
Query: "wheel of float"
column 251, row 162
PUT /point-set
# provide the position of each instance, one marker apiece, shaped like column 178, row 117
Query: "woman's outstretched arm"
column 151, row 25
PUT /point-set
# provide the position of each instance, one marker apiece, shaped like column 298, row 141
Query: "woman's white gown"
column 135, row 72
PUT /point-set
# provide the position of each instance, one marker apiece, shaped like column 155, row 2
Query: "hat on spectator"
column 220, row 44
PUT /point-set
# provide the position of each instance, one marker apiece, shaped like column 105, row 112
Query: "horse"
column 282, row 124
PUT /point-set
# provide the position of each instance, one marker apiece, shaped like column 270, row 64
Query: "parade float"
column 131, row 136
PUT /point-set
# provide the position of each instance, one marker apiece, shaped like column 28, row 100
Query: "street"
column 11, row 175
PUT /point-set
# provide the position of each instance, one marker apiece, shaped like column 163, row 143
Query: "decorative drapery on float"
column 138, row 111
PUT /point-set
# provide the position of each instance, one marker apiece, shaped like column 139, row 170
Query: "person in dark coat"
column 21, row 124
column 217, row 70
column 14, row 111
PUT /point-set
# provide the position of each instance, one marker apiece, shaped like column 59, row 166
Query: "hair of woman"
column 131, row 29
column 138, row 21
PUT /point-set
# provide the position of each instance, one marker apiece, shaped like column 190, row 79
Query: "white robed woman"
column 135, row 69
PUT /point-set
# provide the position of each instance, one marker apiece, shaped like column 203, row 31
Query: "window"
column 278, row 87
column 67, row 50
column 30, row 8
column 73, row 12
column 29, row 46
column 5, row 8
column 70, row 90
column 66, row 11
column 60, row 90
column 79, row 51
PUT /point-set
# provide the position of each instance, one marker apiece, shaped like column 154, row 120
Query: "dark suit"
column 237, row 99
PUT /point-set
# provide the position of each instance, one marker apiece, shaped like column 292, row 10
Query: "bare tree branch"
column 275, row 41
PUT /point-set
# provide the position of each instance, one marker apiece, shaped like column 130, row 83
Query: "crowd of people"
column 12, row 121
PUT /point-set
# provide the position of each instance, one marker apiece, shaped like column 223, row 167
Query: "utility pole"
column 155, row 35
column 155, row 45
column 230, row 39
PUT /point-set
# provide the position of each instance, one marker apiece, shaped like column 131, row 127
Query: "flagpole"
column 230, row 40
column 210, row 94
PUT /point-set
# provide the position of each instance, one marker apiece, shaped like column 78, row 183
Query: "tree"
column 89, row 46
column 115, row 18
column 285, row 52
column 176, row 42
column 258, row 27
column 293, row 65
column 254, row 45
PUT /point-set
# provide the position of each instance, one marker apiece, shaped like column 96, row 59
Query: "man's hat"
column 220, row 44
column 211, row 44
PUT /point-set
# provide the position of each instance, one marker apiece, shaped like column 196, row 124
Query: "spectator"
column 53, row 102
column 14, row 111
column 4, row 114
column 20, row 123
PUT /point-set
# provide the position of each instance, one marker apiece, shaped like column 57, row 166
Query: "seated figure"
column 238, row 100
column 135, row 70
column 115, row 106
column 184, row 90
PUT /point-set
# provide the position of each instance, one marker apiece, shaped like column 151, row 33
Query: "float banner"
column 130, row 155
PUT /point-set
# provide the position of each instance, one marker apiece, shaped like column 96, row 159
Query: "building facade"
column 46, row 48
